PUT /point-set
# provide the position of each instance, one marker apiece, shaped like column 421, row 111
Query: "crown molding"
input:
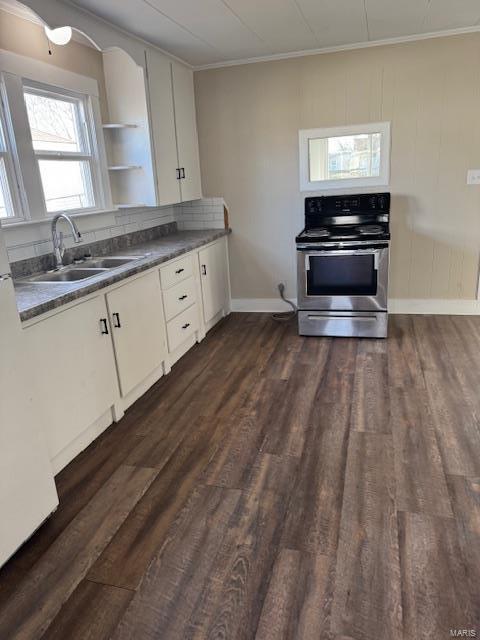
column 344, row 47
column 24, row 12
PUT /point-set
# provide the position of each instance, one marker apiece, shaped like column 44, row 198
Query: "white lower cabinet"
column 79, row 384
column 182, row 327
column 214, row 278
column 180, row 286
column 101, row 354
column 179, row 298
column 138, row 329
column 176, row 271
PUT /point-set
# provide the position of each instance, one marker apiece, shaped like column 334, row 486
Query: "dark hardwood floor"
column 273, row 487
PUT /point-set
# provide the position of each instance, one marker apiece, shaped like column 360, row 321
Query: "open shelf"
column 119, row 125
column 133, row 205
column 123, row 167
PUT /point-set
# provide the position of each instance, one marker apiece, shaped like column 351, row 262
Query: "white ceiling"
column 205, row 32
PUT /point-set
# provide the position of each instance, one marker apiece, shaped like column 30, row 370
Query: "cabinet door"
column 186, row 127
column 27, row 489
column 163, row 127
column 138, row 328
column 77, row 383
column 212, row 262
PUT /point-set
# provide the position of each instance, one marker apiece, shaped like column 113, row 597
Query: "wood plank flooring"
column 273, row 487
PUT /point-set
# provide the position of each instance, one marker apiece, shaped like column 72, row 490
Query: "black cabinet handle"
column 104, row 326
column 204, row 269
column 179, row 270
column 178, row 174
column 116, row 320
column 182, row 172
column 185, row 325
column 183, row 297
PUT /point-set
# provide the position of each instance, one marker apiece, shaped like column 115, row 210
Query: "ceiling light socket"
column 59, row 36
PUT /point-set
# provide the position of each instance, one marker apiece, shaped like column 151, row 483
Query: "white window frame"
column 383, row 179
column 87, row 135
column 18, row 72
column 12, row 195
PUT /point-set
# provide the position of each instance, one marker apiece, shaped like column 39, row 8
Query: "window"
column 6, row 205
column 61, row 142
column 7, row 208
column 52, row 152
column 342, row 157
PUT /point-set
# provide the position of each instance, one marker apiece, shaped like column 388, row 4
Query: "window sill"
column 345, row 183
column 78, row 214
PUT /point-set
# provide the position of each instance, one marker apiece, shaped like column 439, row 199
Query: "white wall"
column 248, row 121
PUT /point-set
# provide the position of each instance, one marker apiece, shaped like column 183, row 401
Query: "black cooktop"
column 350, row 217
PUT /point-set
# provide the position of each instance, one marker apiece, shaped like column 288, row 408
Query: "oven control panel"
column 348, row 204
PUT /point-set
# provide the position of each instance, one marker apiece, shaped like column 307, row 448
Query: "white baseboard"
column 260, row 305
column 395, row 305
column 435, row 307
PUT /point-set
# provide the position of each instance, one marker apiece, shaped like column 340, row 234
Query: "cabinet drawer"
column 182, row 327
column 178, row 298
column 176, row 272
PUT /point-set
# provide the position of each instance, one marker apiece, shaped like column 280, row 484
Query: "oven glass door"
column 330, row 274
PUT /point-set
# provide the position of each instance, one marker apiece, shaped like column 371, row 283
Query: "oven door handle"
column 345, row 252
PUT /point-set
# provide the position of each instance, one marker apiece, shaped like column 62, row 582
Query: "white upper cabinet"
column 186, row 127
column 151, row 137
column 174, row 129
column 162, row 117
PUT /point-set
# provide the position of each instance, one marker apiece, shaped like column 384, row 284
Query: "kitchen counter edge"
column 36, row 299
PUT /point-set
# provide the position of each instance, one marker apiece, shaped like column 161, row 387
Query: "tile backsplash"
column 201, row 214
column 108, row 246
column 25, row 242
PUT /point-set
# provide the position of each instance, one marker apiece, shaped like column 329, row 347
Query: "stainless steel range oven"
column 342, row 266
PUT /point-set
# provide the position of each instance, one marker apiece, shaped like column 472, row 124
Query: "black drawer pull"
column 185, row 325
column 116, row 320
column 204, row 269
column 179, row 270
column 104, row 326
column 183, row 297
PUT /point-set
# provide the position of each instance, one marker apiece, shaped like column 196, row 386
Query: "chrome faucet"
column 57, row 238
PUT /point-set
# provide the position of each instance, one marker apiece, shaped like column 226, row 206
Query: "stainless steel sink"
column 65, row 275
column 83, row 270
column 108, row 262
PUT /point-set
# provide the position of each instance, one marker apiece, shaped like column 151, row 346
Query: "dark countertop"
column 35, row 299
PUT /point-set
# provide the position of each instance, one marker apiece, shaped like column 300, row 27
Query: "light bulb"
column 59, row 36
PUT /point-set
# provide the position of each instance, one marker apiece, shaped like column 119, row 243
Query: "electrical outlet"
column 473, row 176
